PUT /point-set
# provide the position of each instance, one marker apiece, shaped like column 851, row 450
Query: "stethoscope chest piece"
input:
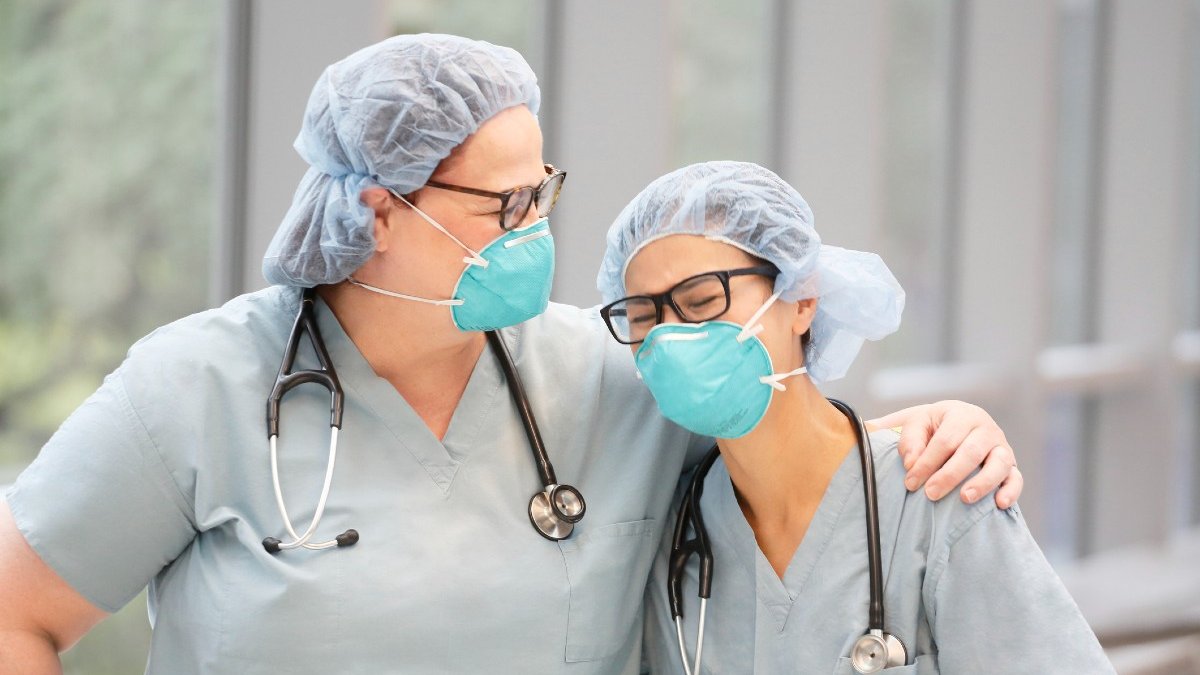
column 555, row 511
column 875, row 651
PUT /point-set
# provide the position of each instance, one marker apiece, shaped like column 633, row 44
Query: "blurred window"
column 107, row 130
column 510, row 23
column 918, row 145
column 1074, row 244
column 720, row 80
column 1070, row 418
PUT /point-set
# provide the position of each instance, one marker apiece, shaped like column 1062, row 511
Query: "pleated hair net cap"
column 385, row 116
column 748, row 206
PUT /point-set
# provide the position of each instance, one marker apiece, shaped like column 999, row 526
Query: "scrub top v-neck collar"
column 778, row 596
column 441, row 459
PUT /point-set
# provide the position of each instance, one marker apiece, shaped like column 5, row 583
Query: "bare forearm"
column 26, row 653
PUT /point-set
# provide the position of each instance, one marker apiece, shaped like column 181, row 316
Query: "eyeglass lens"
column 700, row 299
column 521, row 199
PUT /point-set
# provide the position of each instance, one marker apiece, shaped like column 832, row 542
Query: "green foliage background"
column 106, row 193
column 107, row 114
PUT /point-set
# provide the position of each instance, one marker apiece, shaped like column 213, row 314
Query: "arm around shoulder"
column 42, row 614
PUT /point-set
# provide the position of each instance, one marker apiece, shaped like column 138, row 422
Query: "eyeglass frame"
column 664, row 299
column 551, row 174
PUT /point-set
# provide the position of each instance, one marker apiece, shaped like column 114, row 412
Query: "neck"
column 401, row 338
column 414, row 346
column 781, row 469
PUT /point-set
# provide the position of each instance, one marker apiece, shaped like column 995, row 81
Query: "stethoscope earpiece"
column 347, row 538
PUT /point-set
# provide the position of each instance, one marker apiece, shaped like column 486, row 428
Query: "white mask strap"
column 473, row 259
column 776, row 381
column 753, row 327
column 393, row 294
column 521, row 241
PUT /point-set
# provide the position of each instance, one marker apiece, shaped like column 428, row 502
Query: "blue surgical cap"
column 385, row 116
column 751, row 208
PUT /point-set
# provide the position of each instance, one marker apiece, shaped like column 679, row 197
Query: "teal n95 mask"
column 713, row 378
column 505, row 283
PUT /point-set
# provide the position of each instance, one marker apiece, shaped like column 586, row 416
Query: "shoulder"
column 566, row 323
column 268, row 310
column 575, row 338
column 942, row 523
column 245, row 332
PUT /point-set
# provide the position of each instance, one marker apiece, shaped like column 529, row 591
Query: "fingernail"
column 908, row 461
column 933, row 494
column 910, row 483
column 970, row 494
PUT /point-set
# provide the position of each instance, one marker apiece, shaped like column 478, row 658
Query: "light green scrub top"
column 966, row 588
column 163, row 477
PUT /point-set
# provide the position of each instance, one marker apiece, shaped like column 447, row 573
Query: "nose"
column 669, row 314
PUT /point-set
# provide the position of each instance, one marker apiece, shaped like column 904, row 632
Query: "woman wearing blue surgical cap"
column 796, row 547
column 398, row 521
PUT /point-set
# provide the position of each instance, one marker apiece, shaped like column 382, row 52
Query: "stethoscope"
column 872, row 652
column 553, row 511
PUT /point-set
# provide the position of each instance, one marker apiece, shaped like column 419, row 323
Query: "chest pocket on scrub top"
column 606, row 569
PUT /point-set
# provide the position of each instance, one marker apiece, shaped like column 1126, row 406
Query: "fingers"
column 948, row 436
column 961, row 461
column 996, row 469
column 1008, row 493
column 914, row 436
column 900, row 418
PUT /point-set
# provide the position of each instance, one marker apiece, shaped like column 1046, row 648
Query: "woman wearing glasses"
column 421, row 224
column 735, row 311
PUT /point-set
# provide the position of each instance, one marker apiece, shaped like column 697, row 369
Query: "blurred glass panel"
column 1073, row 256
column 721, row 80
column 1190, row 436
column 107, row 130
column 510, row 23
column 1194, row 436
column 1067, row 497
column 1189, row 446
column 917, row 139
column 1191, row 248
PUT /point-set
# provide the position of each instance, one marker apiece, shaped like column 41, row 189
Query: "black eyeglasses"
column 514, row 204
column 698, row 298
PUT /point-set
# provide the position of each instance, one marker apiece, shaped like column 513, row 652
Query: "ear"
column 382, row 203
column 805, row 311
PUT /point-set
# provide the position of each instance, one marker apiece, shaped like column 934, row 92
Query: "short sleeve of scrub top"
column 98, row 503
column 163, row 478
column 966, row 588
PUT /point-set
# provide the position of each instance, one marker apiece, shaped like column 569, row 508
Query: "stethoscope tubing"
column 554, row 491
column 326, row 376
column 542, row 461
column 302, row 540
column 553, row 511
column 870, row 495
column 683, row 548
